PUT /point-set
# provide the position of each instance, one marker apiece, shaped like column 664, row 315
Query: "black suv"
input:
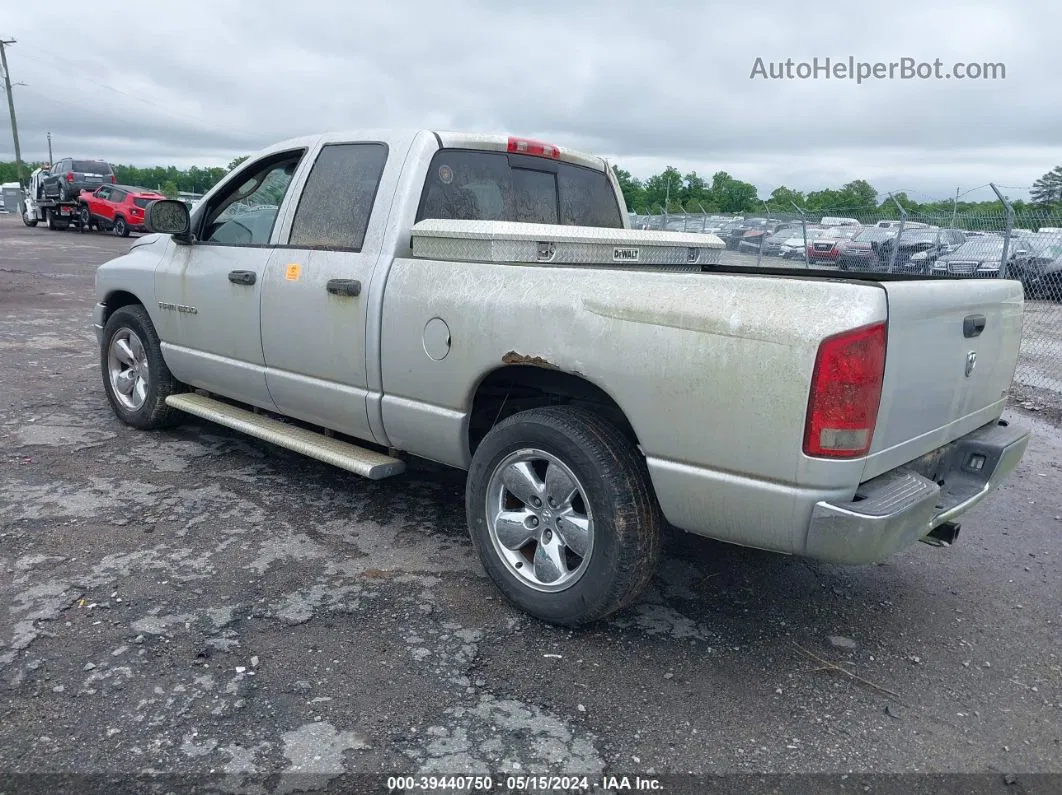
column 69, row 177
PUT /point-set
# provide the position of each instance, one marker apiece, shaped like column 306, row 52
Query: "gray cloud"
column 647, row 84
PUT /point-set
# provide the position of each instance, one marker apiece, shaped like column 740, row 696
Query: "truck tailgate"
column 951, row 353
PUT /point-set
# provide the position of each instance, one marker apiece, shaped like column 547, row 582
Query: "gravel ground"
column 196, row 602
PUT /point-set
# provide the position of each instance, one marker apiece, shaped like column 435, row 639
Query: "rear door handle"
column 973, row 325
column 350, row 287
column 243, row 277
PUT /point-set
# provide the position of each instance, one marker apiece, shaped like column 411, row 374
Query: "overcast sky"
column 648, row 83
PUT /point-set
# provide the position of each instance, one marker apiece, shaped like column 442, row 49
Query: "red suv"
column 116, row 207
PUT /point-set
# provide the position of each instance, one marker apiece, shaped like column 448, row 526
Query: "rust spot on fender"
column 512, row 357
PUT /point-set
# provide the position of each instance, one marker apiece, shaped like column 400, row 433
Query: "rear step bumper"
column 898, row 508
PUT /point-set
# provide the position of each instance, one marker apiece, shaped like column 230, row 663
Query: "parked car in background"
column 117, row 208
column 750, row 241
column 826, row 249
column 793, row 246
column 772, row 244
column 830, row 220
column 896, row 225
column 862, row 252
column 733, row 232
column 1038, row 264
column 69, row 177
column 918, row 249
column 979, row 258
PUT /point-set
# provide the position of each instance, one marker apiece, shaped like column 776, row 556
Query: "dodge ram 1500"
column 480, row 301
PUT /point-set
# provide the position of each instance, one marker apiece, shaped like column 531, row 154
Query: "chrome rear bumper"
column 896, row 509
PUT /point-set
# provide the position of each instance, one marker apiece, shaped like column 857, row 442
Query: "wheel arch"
column 512, row 388
column 116, row 299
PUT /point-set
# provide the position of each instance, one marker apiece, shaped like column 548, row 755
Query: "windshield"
column 1053, row 251
column 873, row 235
column 492, row 186
column 922, row 236
column 979, row 247
column 91, row 167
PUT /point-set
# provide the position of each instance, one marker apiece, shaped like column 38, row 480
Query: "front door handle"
column 243, row 277
column 344, row 287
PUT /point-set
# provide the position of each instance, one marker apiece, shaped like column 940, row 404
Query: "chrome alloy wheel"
column 127, row 369
column 539, row 520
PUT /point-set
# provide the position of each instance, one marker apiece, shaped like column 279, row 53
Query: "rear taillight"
column 69, row 176
column 845, row 393
column 525, row 146
column 114, row 179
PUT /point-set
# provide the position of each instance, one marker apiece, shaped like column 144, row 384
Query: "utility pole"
column 11, row 107
column 49, row 147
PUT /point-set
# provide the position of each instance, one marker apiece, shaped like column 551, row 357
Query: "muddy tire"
column 135, row 376
column 563, row 516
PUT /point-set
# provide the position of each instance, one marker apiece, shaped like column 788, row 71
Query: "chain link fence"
column 1023, row 244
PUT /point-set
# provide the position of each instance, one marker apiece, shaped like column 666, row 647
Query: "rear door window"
column 494, row 186
column 117, row 196
column 337, row 200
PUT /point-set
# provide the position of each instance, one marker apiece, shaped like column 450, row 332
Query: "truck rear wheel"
column 135, row 376
column 562, row 513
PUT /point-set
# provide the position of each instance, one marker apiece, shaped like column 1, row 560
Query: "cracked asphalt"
column 196, row 602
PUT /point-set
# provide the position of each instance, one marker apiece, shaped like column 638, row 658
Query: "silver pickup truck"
column 480, row 301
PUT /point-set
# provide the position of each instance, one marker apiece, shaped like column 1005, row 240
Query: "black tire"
column 84, row 218
column 25, row 216
column 49, row 217
column 153, row 413
column 626, row 518
column 120, row 228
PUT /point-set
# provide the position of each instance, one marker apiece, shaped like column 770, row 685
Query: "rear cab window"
column 473, row 185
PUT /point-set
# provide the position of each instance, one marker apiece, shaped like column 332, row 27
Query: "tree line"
column 673, row 192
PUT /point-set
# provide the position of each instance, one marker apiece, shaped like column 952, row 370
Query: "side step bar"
column 344, row 455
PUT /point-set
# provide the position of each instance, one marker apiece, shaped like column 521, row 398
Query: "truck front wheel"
column 562, row 513
column 26, row 219
column 135, row 376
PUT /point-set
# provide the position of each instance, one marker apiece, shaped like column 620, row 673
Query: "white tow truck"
column 34, row 207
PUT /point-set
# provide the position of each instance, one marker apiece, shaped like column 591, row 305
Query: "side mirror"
column 169, row 217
